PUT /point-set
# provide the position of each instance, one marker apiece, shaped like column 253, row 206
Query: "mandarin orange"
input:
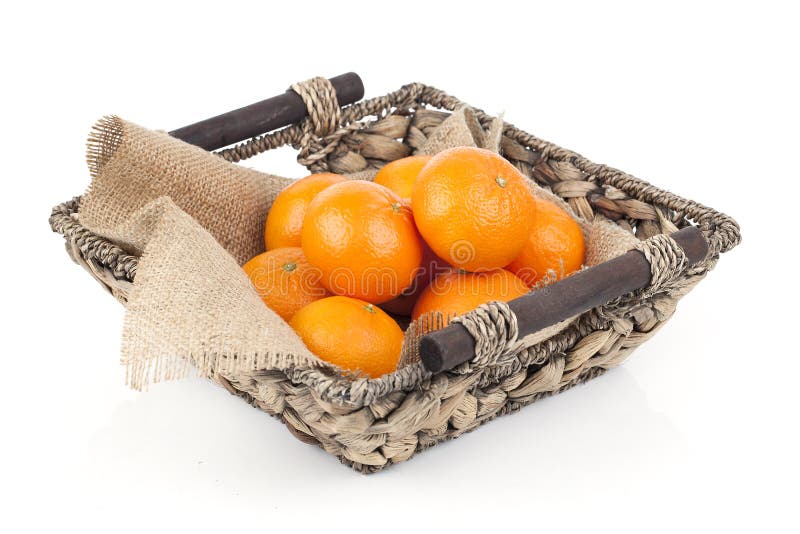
column 285, row 280
column 362, row 237
column 400, row 174
column 458, row 292
column 473, row 208
column 555, row 245
column 285, row 218
column 350, row 333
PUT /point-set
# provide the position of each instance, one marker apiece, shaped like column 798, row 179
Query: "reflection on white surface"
column 193, row 433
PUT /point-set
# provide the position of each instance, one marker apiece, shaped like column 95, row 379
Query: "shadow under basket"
column 371, row 424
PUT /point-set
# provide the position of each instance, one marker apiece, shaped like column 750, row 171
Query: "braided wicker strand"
column 494, row 328
column 371, row 424
column 319, row 97
column 666, row 257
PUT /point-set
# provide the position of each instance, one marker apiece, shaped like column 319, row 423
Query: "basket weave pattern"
column 372, row 424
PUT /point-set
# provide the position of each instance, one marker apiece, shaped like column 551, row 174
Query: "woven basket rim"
column 721, row 231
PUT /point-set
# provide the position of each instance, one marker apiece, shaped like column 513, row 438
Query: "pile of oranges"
column 429, row 236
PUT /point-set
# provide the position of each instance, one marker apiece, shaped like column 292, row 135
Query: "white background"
column 697, row 430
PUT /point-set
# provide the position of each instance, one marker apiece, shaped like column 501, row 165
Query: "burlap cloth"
column 194, row 218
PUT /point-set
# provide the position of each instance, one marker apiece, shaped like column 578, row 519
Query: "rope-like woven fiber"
column 92, row 246
column 373, row 423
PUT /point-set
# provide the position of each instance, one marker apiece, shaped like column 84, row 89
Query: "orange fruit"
column 350, row 333
column 473, row 208
column 400, row 174
column 456, row 293
column 285, row 280
column 285, row 218
column 555, row 245
column 362, row 237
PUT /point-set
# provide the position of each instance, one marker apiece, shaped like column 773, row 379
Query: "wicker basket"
column 372, row 424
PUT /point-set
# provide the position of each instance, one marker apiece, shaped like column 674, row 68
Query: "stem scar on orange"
column 285, row 218
column 400, row 174
column 362, row 237
column 473, row 208
column 555, row 245
column 285, row 280
column 350, row 333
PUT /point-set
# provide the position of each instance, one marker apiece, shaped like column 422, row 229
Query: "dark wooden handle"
column 452, row 345
column 261, row 117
